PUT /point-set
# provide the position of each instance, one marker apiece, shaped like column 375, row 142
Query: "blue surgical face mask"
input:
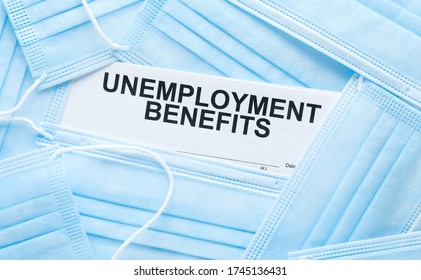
column 59, row 40
column 384, row 44
column 13, row 65
column 117, row 192
column 206, row 37
column 359, row 179
column 396, row 247
column 38, row 217
column 16, row 135
column 411, row 5
column 406, row 17
column 414, row 222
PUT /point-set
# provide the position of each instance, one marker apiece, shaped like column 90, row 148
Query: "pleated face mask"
column 59, row 40
column 16, row 135
column 213, row 213
column 38, row 217
column 359, row 179
column 206, row 37
column 396, row 247
column 377, row 39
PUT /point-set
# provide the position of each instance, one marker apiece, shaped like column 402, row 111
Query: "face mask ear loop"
column 28, row 122
column 99, row 30
column 139, row 149
column 31, row 89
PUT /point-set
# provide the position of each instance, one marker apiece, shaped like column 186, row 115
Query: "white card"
column 259, row 125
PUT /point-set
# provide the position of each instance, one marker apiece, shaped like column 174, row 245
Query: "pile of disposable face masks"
column 68, row 193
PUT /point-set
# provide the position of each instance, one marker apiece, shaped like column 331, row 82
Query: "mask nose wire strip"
column 31, row 89
column 139, row 149
column 29, row 122
column 99, row 30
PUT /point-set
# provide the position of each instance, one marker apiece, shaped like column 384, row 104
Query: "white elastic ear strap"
column 31, row 89
column 28, row 122
column 99, row 30
column 149, row 153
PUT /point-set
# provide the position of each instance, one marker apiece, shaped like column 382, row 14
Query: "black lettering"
column 298, row 114
column 143, row 86
column 221, row 121
column 226, row 99
column 105, row 83
column 166, row 94
column 126, row 83
column 262, row 124
column 247, row 120
column 186, row 114
column 313, row 110
column 168, row 113
column 203, row 118
column 234, row 124
column 150, row 110
column 198, row 96
column 274, row 107
column 238, row 101
column 183, row 93
column 262, row 106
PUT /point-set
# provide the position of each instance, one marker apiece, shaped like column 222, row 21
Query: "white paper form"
column 259, row 125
